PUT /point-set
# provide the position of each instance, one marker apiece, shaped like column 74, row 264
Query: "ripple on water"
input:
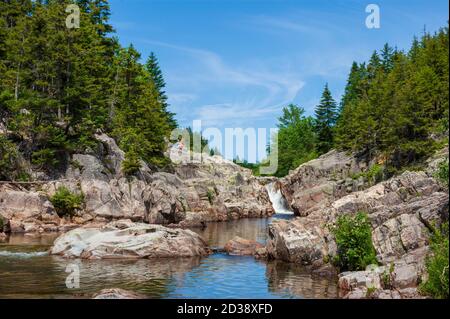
column 22, row 255
column 27, row 271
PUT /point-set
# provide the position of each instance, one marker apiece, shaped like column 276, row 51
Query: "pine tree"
column 404, row 101
column 58, row 86
column 326, row 116
column 156, row 76
column 387, row 58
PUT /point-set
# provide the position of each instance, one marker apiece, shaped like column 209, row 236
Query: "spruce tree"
column 326, row 116
column 157, row 77
column 387, row 58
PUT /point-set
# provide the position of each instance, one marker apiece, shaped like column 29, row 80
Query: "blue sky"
column 236, row 63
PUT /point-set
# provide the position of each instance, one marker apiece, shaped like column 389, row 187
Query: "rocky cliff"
column 194, row 193
column 322, row 180
column 401, row 211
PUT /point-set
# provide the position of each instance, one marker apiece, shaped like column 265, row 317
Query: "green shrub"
column 370, row 291
column 442, row 173
column 210, row 195
column 131, row 163
column 66, row 202
column 44, row 158
column 437, row 265
column 8, row 158
column 375, row 174
column 23, row 177
column 355, row 250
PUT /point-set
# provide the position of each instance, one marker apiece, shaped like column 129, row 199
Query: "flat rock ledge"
column 127, row 240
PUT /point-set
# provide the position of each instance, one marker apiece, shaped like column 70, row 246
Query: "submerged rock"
column 242, row 247
column 117, row 293
column 125, row 239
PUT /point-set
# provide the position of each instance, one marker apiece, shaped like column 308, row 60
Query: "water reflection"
column 294, row 280
column 218, row 234
column 27, row 271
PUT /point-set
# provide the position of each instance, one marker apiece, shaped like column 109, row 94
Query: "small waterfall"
column 278, row 201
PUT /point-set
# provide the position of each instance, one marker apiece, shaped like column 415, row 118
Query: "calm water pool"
column 27, row 271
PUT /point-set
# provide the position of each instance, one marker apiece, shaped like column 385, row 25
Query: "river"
column 27, row 271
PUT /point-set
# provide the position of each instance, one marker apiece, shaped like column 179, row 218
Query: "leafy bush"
column 45, row 158
column 66, row 202
column 131, row 164
column 373, row 175
column 8, row 158
column 211, row 196
column 437, row 265
column 442, row 173
column 354, row 242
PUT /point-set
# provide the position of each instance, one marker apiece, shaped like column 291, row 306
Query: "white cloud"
column 181, row 98
column 259, row 91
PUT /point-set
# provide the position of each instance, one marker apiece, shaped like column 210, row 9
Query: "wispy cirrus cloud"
column 255, row 92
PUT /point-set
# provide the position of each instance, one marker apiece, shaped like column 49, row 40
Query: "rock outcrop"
column 213, row 189
column 26, row 211
column 322, row 181
column 401, row 212
column 125, row 239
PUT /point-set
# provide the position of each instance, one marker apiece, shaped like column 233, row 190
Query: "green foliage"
column 65, row 202
column 254, row 167
column 194, row 139
column 8, row 158
column 387, row 277
column 370, row 291
column 59, row 86
column 373, row 175
column 394, row 103
column 152, row 67
column 326, row 116
column 131, row 164
column 437, row 265
column 354, row 242
column 211, row 195
column 296, row 139
column 44, row 158
column 442, row 173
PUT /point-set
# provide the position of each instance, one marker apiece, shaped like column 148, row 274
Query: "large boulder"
column 302, row 241
column 125, row 239
column 396, row 280
column 27, row 211
column 321, row 181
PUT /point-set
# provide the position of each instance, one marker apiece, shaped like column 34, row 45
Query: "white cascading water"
column 277, row 199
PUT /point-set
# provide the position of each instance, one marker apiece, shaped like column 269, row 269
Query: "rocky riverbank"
column 401, row 210
column 190, row 196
